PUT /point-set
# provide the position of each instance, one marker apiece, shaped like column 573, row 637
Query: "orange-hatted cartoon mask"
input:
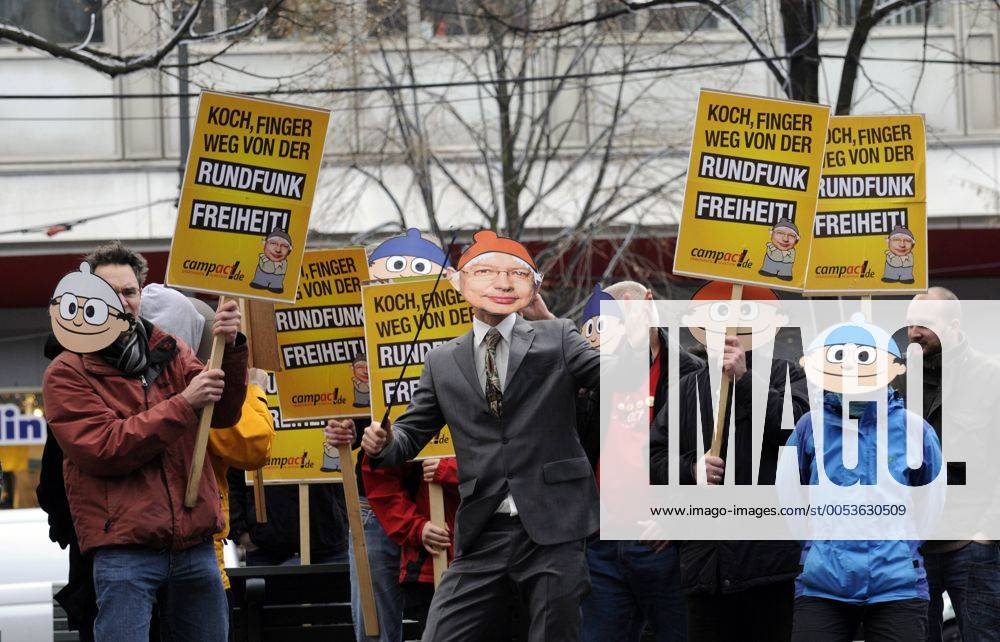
column 759, row 309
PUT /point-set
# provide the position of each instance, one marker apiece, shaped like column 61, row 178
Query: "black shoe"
column 885, row 280
column 907, row 281
column 258, row 286
column 763, row 273
column 277, row 290
column 785, row 277
column 330, row 470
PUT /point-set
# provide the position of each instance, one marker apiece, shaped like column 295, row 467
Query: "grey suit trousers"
column 476, row 589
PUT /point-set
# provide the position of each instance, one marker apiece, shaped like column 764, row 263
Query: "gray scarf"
column 130, row 352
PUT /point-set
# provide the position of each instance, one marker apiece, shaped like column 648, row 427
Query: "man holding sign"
column 507, row 390
column 126, row 417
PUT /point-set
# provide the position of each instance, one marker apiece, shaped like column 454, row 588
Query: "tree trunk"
column 800, row 22
column 863, row 24
column 508, row 145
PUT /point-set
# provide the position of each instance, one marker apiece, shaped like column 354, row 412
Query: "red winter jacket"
column 127, row 449
column 400, row 499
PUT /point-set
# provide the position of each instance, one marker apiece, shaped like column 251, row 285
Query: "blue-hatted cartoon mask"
column 594, row 326
column 407, row 255
column 853, row 358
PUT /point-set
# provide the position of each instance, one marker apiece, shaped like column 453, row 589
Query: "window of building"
column 204, row 22
column 625, row 22
column 276, row 25
column 443, row 18
column 686, row 19
column 293, row 19
column 844, row 13
column 386, row 17
column 21, row 454
column 61, row 21
column 682, row 19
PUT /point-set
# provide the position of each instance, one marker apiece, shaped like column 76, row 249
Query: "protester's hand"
column 715, row 467
column 430, row 467
column 247, row 543
column 227, row 321
column 537, row 310
column 340, row 432
column 205, row 388
column 376, row 438
column 435, row 539
column 734, row 360
column 257, row 377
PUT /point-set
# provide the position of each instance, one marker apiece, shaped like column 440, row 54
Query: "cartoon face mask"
column 405, row 256
column 497, row 275
column 758, row 315
column 86, row 313
column 853, row 359
column 597, row 328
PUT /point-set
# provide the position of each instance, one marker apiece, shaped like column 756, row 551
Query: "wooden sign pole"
column 305, row 552
column 866, row 307
column 369, row 613
column 436, row 496
column 260, row 320
column 720, row 420
column 259, row 506
column 205, row 425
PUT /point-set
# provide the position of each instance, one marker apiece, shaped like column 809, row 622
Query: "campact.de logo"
column 736, row 259
column 301, row 461
column 319, row 398
column 229, row 271
column 857, row 271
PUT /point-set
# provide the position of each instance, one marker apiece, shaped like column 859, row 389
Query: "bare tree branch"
column 114, row 65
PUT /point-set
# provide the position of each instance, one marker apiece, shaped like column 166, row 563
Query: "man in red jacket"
column 400, row 497
column 126, row 418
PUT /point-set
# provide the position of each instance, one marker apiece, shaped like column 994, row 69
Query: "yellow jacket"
column 245, row 446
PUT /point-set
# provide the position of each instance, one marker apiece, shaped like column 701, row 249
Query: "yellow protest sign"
column 298, row 453
column 321, row 339
column 392, row 314
column 245, row 202
column 752, row 183
column 870, row 231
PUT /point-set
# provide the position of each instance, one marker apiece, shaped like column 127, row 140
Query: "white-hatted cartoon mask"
column 87, row 314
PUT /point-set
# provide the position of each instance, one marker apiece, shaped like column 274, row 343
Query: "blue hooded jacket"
column 863, row 571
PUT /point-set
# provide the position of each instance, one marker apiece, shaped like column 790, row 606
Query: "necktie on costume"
column 493, row 395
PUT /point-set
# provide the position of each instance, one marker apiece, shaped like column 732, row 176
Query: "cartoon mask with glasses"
column 87, row 314
column 497, row 276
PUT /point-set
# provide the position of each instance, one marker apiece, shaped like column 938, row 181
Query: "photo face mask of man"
column 497, row 275
column 87, row 314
